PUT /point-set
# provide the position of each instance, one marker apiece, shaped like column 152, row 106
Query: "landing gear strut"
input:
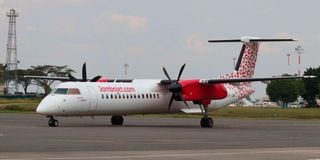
column 53, row 122
column 206, row 122
column 117, row 120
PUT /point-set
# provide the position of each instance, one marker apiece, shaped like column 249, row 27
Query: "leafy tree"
column 50, row 70
column 311, row 86
column 26, row 82
column 285, row 90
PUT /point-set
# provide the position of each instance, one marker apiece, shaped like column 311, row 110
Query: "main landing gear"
column 53, row 122
column 117, row 120
column 206, row 122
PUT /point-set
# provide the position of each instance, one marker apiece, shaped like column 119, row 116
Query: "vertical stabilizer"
column 246, row 61
column 248, row 55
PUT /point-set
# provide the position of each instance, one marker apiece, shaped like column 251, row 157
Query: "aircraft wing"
column 64, row 79
column 53, row 78
column 237, row 80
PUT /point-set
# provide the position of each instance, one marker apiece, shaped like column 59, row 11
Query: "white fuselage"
column 120, row 98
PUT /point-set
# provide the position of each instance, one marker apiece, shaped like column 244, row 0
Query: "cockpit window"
column 61, row 91
column 74, row 91
column 71, row 91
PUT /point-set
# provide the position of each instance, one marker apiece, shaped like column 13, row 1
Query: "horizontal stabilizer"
column 252, row 39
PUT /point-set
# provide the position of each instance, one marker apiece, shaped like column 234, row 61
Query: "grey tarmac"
column 27, row 136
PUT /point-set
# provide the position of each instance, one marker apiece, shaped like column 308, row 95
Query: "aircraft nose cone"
column 46, row 106
column 41, row 109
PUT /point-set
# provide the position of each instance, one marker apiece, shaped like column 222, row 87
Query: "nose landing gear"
column 53, row 122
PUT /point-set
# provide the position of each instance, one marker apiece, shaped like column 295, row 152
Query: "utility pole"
column 288, row 59
column 126, row 66
column 299, row 50
column 11, row 66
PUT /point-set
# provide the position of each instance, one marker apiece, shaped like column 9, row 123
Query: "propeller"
column 175, row 87
column 84, row 75
column 95, row 79
column 84, row 72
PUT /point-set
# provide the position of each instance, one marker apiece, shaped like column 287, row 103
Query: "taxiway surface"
column 27, row 136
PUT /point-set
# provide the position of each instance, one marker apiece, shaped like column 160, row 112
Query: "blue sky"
column 151, row 34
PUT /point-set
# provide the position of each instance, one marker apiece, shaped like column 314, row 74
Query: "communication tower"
column 11, row 66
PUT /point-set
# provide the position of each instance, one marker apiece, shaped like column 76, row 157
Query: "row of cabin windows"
column 130, row 96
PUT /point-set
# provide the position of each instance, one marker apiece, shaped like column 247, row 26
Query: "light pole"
column 299, row 50
column 126, row 66
column 288, row 59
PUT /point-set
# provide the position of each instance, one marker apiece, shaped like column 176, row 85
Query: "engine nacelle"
column 192, row 90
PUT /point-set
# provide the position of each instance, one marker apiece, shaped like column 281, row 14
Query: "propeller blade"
column 71, row 77
column 84, row 72
column 181, row 96
column 171, row 100
column 180, row 72
column 166, row 73
column 95, row 79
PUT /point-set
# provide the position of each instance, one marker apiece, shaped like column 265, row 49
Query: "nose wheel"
column 53, row 122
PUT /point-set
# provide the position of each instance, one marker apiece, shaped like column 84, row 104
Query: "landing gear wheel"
column 53, row 122
column 206, row 122
column 117, row 120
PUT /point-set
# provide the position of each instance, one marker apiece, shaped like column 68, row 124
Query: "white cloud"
column 134, row 22
column 117, row 22
column 197, row 43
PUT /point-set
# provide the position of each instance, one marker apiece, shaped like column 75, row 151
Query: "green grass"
column 18, row 105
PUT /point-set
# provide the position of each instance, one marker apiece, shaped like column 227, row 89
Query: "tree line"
column 287, row 91
column 40, row 70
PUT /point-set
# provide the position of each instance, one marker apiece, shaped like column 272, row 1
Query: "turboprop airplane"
column 120, row 97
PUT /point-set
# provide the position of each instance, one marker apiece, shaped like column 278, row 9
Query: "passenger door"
column 93, row 99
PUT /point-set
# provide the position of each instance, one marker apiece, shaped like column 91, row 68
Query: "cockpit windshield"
column 69, row 91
